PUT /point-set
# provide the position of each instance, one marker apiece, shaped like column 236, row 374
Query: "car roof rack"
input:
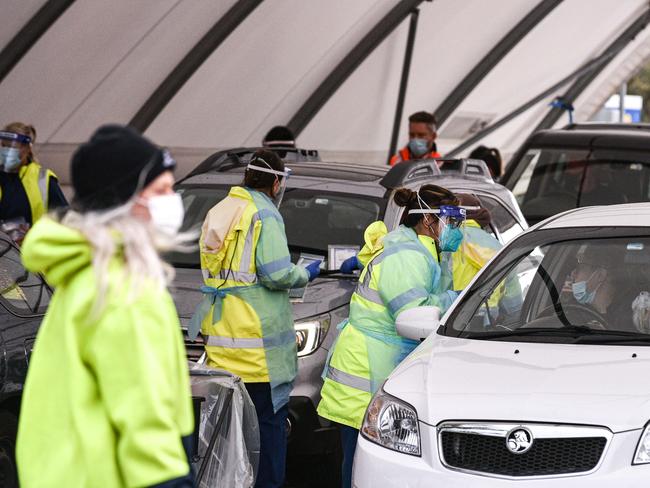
column 422, row 169
column 240, row 156
column 409, row 171
column 466, row 168
column 607, row 126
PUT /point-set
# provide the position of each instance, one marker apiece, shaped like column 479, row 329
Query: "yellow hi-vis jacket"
column 107, row 397
column 401, row 274
column 36, row 181
column 248, row 324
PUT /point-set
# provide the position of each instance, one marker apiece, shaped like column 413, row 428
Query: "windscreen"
column 555, row 180
column 313, row 219
column 584, row 290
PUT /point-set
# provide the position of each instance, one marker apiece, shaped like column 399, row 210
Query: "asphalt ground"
column 314, row 471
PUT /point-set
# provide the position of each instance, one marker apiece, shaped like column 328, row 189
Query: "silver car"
column 326, row 203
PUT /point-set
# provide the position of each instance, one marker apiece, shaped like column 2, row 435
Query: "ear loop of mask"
column 422, row 202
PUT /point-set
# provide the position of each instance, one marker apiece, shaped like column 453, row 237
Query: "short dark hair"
column 258, row 179
column 279, row 136
column 424, row 117
column 492, row 158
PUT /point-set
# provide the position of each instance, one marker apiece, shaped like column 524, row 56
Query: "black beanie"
column 114, row 165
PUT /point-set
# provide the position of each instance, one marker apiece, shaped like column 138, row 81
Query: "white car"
column 521, row 384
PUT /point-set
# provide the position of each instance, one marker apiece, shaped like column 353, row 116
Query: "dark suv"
column 23, row 299
column 579, row 166
column 326, row 203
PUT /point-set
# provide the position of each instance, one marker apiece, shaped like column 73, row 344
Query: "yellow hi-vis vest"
column 249, row 328
column 36, row 181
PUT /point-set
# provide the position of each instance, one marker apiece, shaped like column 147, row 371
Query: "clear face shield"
column 11, row 144
column 450, row 224
column 281, row 176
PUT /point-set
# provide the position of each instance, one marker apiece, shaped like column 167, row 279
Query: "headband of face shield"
column 450, row 219
column 277, row 198
column 10, row 144
column 11, row 139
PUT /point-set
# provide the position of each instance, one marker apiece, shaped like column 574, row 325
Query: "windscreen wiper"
column 616, row 337
column 571, row 330
column 582, row 332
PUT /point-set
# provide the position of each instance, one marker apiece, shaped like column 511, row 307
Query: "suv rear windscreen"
column 555, row 180
column 313, row 218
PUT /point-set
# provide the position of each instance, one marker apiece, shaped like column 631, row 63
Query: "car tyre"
column 8, row 431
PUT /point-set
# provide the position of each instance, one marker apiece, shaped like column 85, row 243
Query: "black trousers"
column 273, row 437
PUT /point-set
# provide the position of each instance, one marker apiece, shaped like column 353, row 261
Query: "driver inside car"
column 597, row 283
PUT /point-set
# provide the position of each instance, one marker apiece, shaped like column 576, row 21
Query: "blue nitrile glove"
column 350, row 265
column 313, row 269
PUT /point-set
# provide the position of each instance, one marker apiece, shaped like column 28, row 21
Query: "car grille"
column 575, row 451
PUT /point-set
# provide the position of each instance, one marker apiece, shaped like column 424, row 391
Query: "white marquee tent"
column 201, row 74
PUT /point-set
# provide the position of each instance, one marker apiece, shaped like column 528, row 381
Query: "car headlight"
column 310, row 334
column 642, row 454
column 392, row 424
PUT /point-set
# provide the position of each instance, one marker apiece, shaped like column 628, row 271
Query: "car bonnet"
column 461, row 379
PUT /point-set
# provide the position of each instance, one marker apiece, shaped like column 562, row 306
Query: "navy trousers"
column 273, row 437
column 349, row 445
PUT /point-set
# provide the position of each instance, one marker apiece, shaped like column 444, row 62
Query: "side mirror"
column 417, row 323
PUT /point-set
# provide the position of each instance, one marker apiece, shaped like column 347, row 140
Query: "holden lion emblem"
column 519, row 440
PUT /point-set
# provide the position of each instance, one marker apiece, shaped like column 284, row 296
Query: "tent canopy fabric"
column 205, row 74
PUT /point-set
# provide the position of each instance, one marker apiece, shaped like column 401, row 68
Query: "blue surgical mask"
column 419, row 147
column 9, row 158
column 581, row 294
column 450, row 239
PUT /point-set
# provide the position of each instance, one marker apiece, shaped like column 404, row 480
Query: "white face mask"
column 166, row 212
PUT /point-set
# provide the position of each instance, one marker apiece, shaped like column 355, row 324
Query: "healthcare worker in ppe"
column 246, row 318
column 27, row 190
column 401, row 273
column 477, row 248
column 107, row 399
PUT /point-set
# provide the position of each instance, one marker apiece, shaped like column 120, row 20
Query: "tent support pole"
column 406, row 68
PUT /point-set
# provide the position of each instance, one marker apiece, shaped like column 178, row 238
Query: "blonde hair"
column 26, row 130
column 117, row 230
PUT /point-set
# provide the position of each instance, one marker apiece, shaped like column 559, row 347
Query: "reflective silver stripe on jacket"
column 235, row 343
column 347, row 379
column 247, row 253
column 42, row 187
column 364, row 290
column 241, row 276
column 407, row 297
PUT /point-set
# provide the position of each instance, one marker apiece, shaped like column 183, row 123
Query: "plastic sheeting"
column 228, row 442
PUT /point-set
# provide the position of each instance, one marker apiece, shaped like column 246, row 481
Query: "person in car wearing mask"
column 107, row 398
column 245, row 317
column 598, row 282
column 422, row 139
column 401, row 273
column 27, row 190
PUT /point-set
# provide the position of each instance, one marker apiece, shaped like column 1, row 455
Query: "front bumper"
column 375, row 466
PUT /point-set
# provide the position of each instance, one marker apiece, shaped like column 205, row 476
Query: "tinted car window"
column 555, row 180
column 502, row 219
column 22, row 292
column 313, row 219
column 589, row 290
